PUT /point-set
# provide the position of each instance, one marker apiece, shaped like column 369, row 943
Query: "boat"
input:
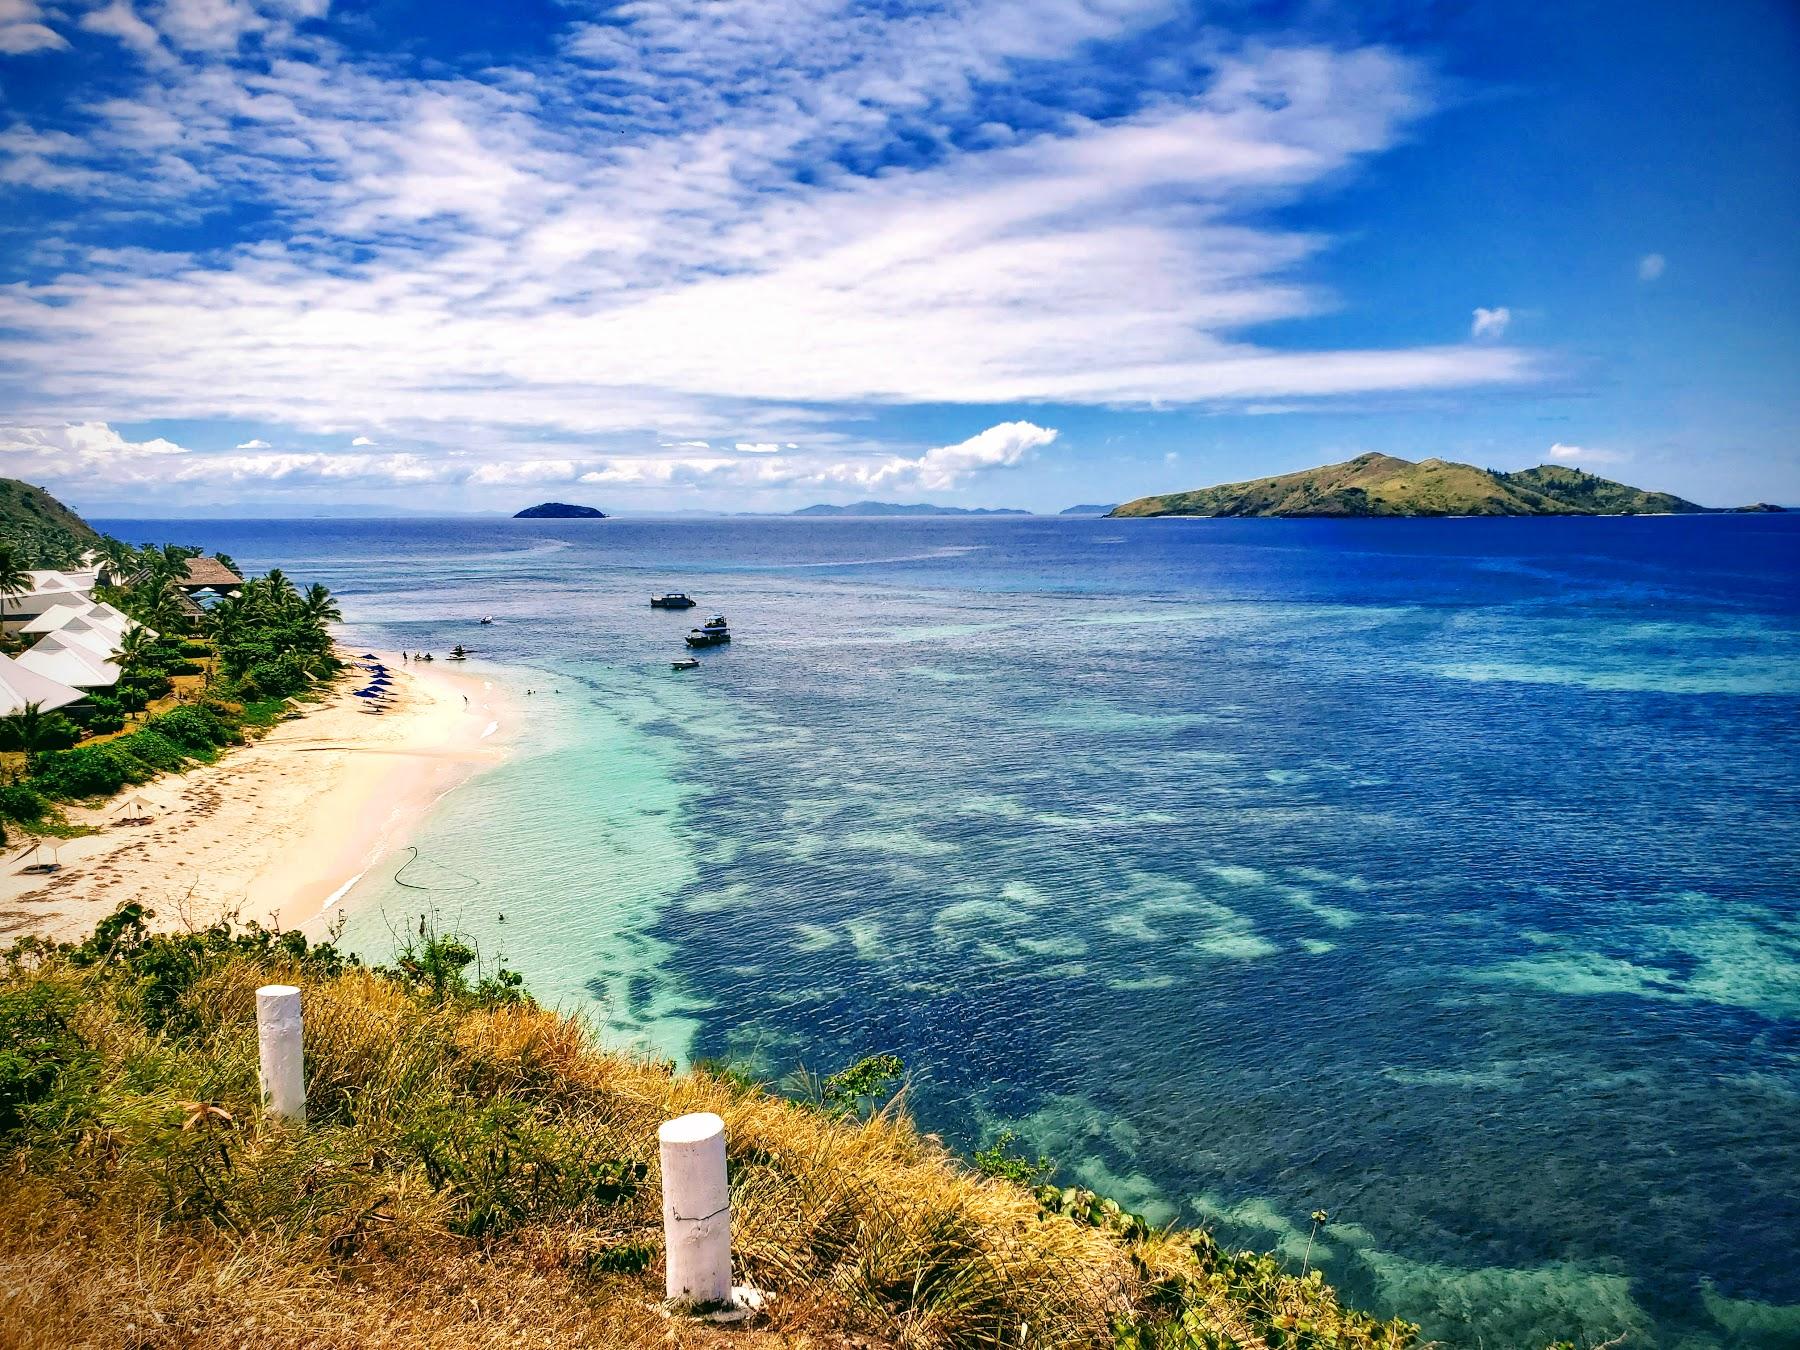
column 672, row 600
column 486, row 619
column 711, row 633
column 685, row 663
column 458, row 653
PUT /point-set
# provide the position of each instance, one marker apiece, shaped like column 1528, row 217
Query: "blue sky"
column 748, row 254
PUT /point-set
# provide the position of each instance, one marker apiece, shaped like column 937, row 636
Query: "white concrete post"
column 278, row 1039
column 696, row 1209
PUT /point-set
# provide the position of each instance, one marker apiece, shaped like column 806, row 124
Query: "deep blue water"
column 1440, row 874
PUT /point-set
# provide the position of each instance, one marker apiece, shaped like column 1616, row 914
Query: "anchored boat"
column 672, row 600
column 685, row 663
column 711, row 633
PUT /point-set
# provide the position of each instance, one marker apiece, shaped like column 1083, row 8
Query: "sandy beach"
column 276, row 831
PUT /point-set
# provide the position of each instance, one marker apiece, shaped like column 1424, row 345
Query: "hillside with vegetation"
column 39, row 531
column 475, row 1171
column 1382, row 485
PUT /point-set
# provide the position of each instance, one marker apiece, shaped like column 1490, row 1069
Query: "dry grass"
column 139, row 1217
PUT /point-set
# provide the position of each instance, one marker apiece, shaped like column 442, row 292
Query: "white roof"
column 85, row 631
column 49, row 588
column 20, row 685
column 72, row 661
column 81, row 617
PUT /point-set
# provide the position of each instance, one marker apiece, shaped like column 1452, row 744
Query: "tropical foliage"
column 39, row 531
column 240, row 661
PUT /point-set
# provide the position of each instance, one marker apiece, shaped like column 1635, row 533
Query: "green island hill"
column 38, row 530
column 559, row 511
column 1383, row 485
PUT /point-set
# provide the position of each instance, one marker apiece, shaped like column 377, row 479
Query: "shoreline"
column 278, row 831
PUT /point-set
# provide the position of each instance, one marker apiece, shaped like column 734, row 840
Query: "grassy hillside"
column 1382, row 485
column 40, row 531
column 1601, row 496
column 475, row 1172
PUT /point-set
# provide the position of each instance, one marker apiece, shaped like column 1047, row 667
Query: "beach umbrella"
column 364, row 693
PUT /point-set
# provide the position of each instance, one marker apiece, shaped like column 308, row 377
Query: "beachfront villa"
column 20, row 685
column 73, row 638
column 49, row 589
column 76, row 661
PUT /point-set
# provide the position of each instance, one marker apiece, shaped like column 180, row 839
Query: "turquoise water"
column 1437, row 874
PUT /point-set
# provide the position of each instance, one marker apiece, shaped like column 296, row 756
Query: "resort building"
column 79, row 662
column 209, row 575
column 20, row 685
column 74, row 609
column 48, row 589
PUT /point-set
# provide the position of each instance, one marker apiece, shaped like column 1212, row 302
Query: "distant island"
column 1382, row 485
column 904, row 509
column 559, row 511
column 1088, row 510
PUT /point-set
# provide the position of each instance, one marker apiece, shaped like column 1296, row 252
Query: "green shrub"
column 154, row 749
column 197, row 650
column 502, row 1166
column 19, row 802
column 86, row 771
column 192, row 728
column 36, row 1047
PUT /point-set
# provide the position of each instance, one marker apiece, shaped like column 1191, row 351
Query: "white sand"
column 277, row 831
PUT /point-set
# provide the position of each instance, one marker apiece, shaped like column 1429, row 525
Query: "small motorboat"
column 459, row 653
column 486, row 619
column 711, row 633
column 672, row 600
column 685, row 663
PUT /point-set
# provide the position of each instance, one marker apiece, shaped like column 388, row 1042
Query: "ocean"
column 1440, row 874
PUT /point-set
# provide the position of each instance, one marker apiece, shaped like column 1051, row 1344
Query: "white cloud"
column 947, row 466
column 21, row 32
column 41, row 451
column 459, row 254
column 253, row 445
column 1566, row 453
column 121, row 21
column 1490, row 323
column 1651, row 266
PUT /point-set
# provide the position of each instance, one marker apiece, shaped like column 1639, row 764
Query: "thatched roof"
column 210, row 572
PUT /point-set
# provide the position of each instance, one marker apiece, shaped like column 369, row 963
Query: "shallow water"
column 1440, row 874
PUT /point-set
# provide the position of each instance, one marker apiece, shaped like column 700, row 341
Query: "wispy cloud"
column 1568, row 453
column 22, row 29
column 253, row 445
column 1490, row 323
column 698, row 222
column 1651, row 266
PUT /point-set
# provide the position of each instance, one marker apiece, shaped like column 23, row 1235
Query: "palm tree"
column 15, row 581
column 157, row 603
column 319, row 607
column 33, row 730
column 120, row 559
column 278, row 588
column 134, row 650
